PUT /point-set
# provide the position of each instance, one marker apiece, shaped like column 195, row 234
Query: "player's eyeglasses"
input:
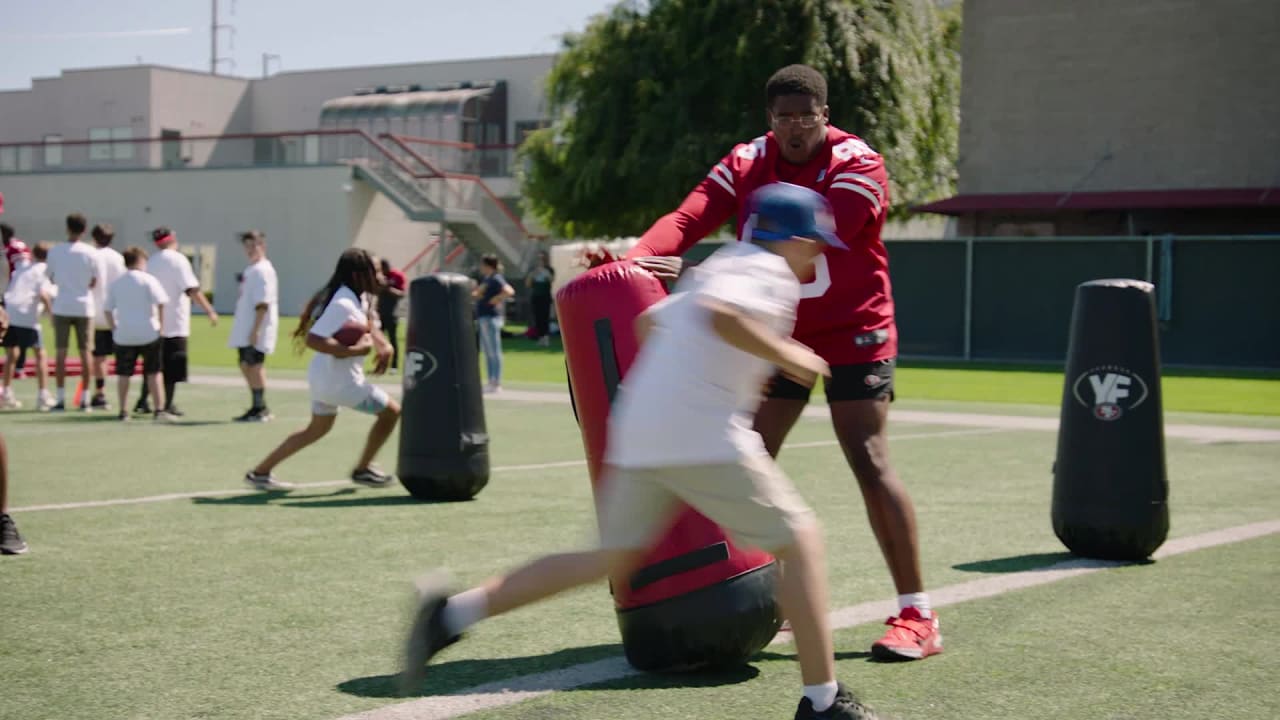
column 805, row 121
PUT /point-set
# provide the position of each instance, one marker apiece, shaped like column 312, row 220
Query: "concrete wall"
column 73, row 103
column 303, row 211
column 200, row 104
column 1105, row 95
column 379, row 226
column 292, row 100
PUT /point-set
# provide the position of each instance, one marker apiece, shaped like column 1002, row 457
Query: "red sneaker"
column 910, row 637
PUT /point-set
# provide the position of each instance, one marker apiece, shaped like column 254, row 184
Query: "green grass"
column 524, row 361
column 293, row 606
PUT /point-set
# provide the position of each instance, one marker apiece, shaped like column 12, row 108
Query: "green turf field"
column 1243, row 393
column 233, row 605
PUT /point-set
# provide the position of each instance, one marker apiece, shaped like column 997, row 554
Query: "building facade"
column 305, row 156
column 1095, row 117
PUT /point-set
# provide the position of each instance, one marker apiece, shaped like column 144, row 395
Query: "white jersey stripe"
column 858, row 177
column 875, row 202
column 728, row 188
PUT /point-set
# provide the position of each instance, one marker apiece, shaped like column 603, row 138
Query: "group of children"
column 131, row 305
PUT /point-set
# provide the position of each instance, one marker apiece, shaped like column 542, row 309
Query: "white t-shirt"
column 72, row 267
column 110, row 268
column 258, row 286
column 325, row 370
column 132, row 301
column 690, row 397
column 174, row 272
column 22, row 297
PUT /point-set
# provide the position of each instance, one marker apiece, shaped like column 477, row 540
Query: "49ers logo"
column 1114, row 390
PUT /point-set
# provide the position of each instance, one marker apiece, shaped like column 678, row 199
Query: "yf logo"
column 1110, row 390
column 418, row 366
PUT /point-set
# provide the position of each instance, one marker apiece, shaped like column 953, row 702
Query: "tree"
column 651, row 95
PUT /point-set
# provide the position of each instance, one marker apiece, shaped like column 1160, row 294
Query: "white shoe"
column 45, row 401
column 492, row 388
column 9, row 402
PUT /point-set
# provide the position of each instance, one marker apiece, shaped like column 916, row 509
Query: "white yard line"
column 1194, row 433
column 511, row 691
column 501, row 468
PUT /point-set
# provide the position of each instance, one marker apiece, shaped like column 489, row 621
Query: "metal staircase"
column 462, row 203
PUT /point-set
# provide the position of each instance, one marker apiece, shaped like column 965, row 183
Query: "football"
column 351, row 333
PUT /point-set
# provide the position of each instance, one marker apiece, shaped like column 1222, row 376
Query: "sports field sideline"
column 159, row 587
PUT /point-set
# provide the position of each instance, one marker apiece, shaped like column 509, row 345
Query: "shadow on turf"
column 340, row 498
column 1038, row 561
column 1015, row 563
column 840, row 655
column 452, row 677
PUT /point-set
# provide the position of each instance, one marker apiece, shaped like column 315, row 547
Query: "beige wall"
column 200, row 104
column 380, row 226
column 1119, row 94
column 73, row 103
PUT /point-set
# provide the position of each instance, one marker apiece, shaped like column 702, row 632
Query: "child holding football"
column 338, row 324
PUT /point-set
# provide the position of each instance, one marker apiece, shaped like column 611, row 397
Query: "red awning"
column 1116, row 200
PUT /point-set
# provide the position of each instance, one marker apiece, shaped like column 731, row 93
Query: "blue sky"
column 40, row 38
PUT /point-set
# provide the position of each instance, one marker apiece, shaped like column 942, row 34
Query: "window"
column 52, row 150
column 122, row 150
column 101, row 146
column 99, row 143
column 8, row 159
column 526, row 127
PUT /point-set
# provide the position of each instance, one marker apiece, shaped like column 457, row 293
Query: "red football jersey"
column 13, row 251
column 846, row 310
column 396, row 279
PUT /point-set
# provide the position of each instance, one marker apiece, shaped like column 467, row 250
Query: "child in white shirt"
column 134, row 305
column 29, row 291
column 336, row 373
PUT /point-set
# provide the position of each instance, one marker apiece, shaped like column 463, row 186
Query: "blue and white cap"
column 781, row 211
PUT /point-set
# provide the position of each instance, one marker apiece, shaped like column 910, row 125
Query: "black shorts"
column 21, row 337
column 173, row 359
column 104, row 343
column 864, row 381
column 251, row 356
column 127, row 359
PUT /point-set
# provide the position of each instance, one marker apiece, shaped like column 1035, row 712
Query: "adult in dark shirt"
column 490, row 295
column 539, row 282
column 388, row 298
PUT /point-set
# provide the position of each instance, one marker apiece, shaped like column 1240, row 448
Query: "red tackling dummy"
column 698, row 600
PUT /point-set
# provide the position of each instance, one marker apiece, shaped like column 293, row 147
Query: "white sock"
column 464, row 610
column 62, row 394
column 822, row 696
column 919, row 601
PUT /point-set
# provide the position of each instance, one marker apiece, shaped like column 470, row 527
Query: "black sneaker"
column 142, row 408
column 427, row 636
column 99, row 402
column 11, row 542
column 846, row 707
column 58, row 407
column 174, row 411
column 265, row 481
column 258, row 414
column 123, row 416
column 371, row 477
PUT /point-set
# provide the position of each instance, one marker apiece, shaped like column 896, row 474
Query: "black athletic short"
column 864, row 381
column 251, row 356
column 21, row 337
column 127, row 359
column 104, row 343
column 173, row 359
